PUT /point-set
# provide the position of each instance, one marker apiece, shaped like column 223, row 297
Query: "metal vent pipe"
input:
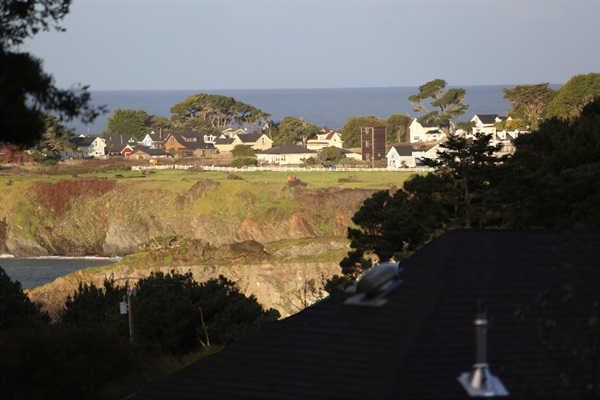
column 480, row 382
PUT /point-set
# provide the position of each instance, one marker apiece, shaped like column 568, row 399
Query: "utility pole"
column 130, row 293
column 126, row 306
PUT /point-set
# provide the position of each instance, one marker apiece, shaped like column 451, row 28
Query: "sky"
column 276, row 44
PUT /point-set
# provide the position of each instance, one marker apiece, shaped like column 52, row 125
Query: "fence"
column 279, row 168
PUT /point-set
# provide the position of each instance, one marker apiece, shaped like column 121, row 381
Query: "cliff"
column 278, row 242
column 275, row 279
column 79, row 216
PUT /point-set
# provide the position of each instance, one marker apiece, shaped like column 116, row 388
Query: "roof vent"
column 480, row 382
column 374, row 286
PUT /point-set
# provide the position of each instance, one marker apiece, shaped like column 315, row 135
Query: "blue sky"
column 249, row 44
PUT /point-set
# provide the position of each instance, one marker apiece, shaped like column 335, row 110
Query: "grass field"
column 181, row 180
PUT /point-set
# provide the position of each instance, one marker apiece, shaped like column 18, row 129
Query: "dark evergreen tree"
column 27, row 90
column 171, row 312
column 16, row 309
column 553, row 178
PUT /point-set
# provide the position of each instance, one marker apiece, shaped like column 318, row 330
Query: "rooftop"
column 417, row 344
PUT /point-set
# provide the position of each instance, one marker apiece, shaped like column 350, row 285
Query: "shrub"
column 241, row 162
column 170, row 312
column 16, row 309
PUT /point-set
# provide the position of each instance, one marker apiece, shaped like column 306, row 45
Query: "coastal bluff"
column 97, row 216
column 287, row 286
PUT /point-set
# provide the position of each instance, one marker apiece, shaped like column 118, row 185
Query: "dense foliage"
column 574, row 95
column 16, row 310
column 173, row 316
column 70, row 362
column 351, row 130
column 27, row 90
column 293, row 131
column 54, row 140
column 529, row 102
column 217, row 111
column 397, row 128
column 447, row 104
column 551, row 181
column 135, row 122
column 172, row 312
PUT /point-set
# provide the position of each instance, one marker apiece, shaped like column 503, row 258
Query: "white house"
column 210, row 138
column 230, row 132
column 287, row 154
column 485, row 123
column 402, row 157
column 91, row 146
column 505, row 138
column 431, row 153
column 325, row 139
column 154, row 140
column 424, row 132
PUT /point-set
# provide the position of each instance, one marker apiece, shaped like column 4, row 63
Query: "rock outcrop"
column 93, row 216
column 287, row 287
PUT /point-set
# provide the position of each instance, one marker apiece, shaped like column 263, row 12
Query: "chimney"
column 480, row 382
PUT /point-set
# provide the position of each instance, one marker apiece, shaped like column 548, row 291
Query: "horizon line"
column 312, row 88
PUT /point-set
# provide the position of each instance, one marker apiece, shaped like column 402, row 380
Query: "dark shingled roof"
column 224, row 141
column 288, row 149
column 404, row 150
column 418, row 343
column 249, row 137
column 192, row 141
column 487, row 118
column 151, row 152
column 83, row 141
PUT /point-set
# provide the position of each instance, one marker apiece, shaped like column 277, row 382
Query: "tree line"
column 87, row 353
column 551, row 181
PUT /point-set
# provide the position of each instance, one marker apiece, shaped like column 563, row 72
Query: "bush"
column 170, row 312
column 16, row 309
column 69, row 362
column 241, row 162
column 243, row 151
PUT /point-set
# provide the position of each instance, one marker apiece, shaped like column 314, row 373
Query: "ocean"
column 37, row 271
column 330, row 108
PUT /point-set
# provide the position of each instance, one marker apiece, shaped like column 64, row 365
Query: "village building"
column 145, row 153
column 13, row 155
column 230, row 132
column 119, row 145
column 324, row 139
column 373, row 137
column 256, row 141
column 91, row 146
column 287, row 154
column 189, row 145
column 154, row 140
column 488, row 125
column 403, row 156
column 425, row 132
column 225, row 144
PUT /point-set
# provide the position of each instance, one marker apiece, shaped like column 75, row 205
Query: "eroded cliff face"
column 234, row 219
column 287, row 287
column 100, row 216
column 275, row 281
